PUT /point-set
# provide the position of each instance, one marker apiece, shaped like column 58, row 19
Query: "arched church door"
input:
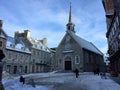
column 68, row 63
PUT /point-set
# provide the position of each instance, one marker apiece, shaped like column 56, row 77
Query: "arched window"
column 77, row 59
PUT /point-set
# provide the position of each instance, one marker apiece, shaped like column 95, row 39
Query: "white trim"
column 77, row 61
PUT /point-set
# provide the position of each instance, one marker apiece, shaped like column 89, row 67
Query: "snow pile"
column 6, row 75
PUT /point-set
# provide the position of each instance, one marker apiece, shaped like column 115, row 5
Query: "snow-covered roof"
column 16, row 45
column 84, row 43
column 37, row 44
column 2, row 35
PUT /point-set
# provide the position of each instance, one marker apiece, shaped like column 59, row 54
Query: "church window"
column 67, row 46
column 77, row 60
column 87, row 58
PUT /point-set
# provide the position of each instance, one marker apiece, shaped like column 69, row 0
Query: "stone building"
column 24, row 54
column 112, row 11
column 75, row 52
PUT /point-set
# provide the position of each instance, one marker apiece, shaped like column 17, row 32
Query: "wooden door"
column 67, row 65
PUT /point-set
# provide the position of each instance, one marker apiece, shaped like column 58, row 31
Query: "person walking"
column 76, row 72
column 22, row 79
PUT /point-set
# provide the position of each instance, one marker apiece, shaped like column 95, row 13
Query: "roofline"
column 17, row 51
column 97, row 48
column 90, row 43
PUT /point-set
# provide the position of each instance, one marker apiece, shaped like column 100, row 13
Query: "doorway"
column 68, row 65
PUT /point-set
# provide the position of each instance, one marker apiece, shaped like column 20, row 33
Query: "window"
column 38, row 53
column 15, row 70
column 9, row 56
column 21, row 69
column 8, row 68
column 87, row 58
column 115, row 25
column 76, row 59
column 21, row 57
column 25, row 69
column 0, row 43
column 117, row 22
column 113, row 32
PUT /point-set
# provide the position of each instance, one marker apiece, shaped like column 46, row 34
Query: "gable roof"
column 84, row 43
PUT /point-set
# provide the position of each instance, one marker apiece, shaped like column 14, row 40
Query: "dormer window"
column 23, row 48
column 12, row 46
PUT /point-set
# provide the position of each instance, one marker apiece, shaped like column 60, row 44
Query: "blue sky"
column 48, row 18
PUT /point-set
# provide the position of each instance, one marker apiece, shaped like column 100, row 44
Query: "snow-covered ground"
column 61, row 81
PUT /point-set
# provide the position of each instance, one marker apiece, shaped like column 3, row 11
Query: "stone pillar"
column 1, row 69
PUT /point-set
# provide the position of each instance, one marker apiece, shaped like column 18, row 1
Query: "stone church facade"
column 75, row 52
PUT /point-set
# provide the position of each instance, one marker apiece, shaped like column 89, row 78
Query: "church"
column 75, row 52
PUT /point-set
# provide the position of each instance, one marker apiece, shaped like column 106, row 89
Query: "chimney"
column 44, row 41
column 1, row 23
column 27, row 33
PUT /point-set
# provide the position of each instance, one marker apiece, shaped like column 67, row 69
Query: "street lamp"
column 2, row 55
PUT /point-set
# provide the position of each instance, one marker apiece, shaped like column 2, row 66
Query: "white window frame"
column 77, row 61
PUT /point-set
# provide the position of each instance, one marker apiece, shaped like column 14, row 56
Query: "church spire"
column 70, row 14
column 70, row 25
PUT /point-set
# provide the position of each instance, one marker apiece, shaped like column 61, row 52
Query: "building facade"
column 24, row 54
column 75, row 52
column 112, row 10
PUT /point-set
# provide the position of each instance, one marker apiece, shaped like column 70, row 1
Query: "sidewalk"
column 116, row 79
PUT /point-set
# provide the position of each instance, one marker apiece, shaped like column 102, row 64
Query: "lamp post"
column 1, row 69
